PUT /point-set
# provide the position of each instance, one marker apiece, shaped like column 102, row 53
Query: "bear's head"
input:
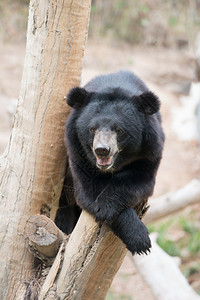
column 111, row 126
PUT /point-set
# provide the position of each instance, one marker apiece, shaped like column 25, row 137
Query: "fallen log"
column 162, row 274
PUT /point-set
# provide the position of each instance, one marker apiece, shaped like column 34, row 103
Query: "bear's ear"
column 78, row 97
column 148, row 103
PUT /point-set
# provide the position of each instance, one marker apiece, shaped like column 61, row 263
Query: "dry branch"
column 50, row 279
column 173, row 202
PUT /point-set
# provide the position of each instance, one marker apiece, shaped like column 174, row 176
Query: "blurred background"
column 160, row 42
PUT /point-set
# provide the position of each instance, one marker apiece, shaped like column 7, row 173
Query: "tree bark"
column 32, row 167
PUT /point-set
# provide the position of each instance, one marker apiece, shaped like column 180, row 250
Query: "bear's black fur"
column 114, row 143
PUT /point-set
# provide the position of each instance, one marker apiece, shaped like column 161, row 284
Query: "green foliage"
column 188, row 271
column 125, row 276
column 144, row 8
column 93, row 8
column 13, row 19
column 144, row 21
column 191, row 228
column 114, row 296
column 187, row 225
column 194, row 245
column 173, row 21
column 190, row 240
column 168, row 246
column 119, row 5
column 124, row 19
column 180, row 236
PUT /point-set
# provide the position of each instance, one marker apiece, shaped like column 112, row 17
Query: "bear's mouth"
column 104, row 162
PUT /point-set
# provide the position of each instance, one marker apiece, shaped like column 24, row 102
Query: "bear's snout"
column 105, row 148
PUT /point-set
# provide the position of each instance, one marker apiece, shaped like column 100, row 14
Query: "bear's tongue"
column 104, row 161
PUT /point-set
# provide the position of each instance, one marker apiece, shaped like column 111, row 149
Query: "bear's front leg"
column 133, row 233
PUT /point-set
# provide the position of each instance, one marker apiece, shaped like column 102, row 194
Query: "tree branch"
column 173, row 202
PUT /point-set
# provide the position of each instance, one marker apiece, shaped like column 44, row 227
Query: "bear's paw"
column 133, row 233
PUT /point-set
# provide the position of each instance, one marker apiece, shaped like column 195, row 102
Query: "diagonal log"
column 171, row 203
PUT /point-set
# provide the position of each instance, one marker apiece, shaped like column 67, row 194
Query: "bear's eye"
column 92, row 129
column 119, row 130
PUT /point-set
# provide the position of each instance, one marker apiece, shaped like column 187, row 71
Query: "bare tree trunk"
column 32, row 167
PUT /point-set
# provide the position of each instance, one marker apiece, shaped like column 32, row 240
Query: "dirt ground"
column 168, row 73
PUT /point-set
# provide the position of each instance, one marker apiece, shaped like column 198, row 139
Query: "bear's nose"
column 102, row 151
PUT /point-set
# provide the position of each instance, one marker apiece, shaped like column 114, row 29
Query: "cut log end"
column 44, row 237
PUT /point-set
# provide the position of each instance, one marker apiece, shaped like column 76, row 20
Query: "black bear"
column 114, row 143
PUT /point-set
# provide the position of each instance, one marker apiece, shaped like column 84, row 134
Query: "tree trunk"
column 32, row 167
